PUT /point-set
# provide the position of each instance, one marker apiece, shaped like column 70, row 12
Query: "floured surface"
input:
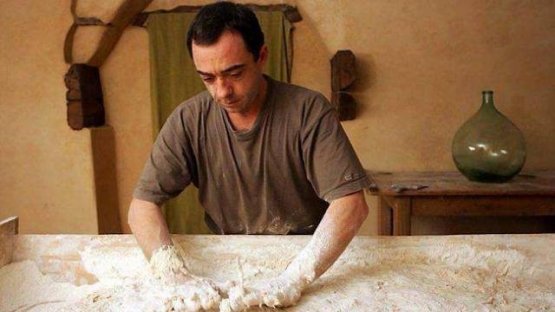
column 441, row 273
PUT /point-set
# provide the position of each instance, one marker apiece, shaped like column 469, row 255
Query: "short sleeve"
column 166, row 172
column 331, row 163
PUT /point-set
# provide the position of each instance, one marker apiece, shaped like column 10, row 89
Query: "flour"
column 443, row 278
column 478, row 273
column 24, row 288
column 282, row 291
column 166, row 263
column 164, row 285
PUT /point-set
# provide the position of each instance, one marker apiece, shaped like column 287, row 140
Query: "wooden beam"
column 73, row 9
column 130, row 13
column 124, row 16
column 106, row 188
column 90, row 21
column 68, row 44
column 291, row 13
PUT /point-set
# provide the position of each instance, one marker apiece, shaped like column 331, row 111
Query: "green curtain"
column 173, row 79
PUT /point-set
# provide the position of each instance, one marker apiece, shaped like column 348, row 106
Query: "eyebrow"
column 225, row 71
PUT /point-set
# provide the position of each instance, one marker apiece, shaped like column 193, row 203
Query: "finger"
column 236, row 301
column 209, row 298
column 191, row 304
column 252, row 299
column 223, row 287
column 209, row 302
column 271, row 299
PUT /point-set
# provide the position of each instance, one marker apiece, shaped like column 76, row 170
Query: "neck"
column 242, row 121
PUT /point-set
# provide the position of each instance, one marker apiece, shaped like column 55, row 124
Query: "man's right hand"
column 148, row 225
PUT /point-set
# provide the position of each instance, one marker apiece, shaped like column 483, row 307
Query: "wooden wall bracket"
column 343, row 75
column 85, row 103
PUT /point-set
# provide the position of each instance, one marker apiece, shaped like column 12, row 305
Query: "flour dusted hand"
column 197, row 293
column 282, row 291
column 277, row 292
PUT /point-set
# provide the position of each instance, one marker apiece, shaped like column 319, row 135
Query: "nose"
column 223, row 88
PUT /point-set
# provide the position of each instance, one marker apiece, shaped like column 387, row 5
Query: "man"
column 267, row 157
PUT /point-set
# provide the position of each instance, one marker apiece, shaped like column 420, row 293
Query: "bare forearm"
column 336, row 230
column 148, row 225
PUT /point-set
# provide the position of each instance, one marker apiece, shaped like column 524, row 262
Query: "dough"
column 283, row 291
column 273, row 293
column 168, row 286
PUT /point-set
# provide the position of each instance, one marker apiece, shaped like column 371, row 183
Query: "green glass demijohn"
column 489, row 147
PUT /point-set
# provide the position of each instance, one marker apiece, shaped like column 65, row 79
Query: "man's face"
column 230, row 73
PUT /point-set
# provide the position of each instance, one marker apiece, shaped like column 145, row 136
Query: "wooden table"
column 449, row 194
column 8, row 230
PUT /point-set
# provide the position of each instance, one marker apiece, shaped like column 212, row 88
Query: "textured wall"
column 46, row 173
column 422, row 66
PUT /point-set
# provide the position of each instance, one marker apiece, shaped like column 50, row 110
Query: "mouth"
column 230, row 103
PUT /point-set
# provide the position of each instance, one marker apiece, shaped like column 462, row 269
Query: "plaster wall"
column 422, row 66
column 46, row 169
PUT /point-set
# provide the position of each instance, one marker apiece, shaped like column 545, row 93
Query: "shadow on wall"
column 366, row 79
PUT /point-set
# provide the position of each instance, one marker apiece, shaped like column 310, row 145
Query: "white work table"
column 437, row 273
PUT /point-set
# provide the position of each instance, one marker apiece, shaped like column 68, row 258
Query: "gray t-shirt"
column 276, row 178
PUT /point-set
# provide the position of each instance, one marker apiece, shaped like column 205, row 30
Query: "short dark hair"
column 213, row 19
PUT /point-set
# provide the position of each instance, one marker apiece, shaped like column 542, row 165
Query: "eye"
column 236, row 74
column 207, row 79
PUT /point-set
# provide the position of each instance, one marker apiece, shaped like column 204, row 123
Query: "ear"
column 263, row 56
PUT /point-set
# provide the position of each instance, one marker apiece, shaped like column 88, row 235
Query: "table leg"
column 384, row 217
column 401, row 215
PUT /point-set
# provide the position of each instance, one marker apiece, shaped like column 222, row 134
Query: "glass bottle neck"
column 487, row 99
